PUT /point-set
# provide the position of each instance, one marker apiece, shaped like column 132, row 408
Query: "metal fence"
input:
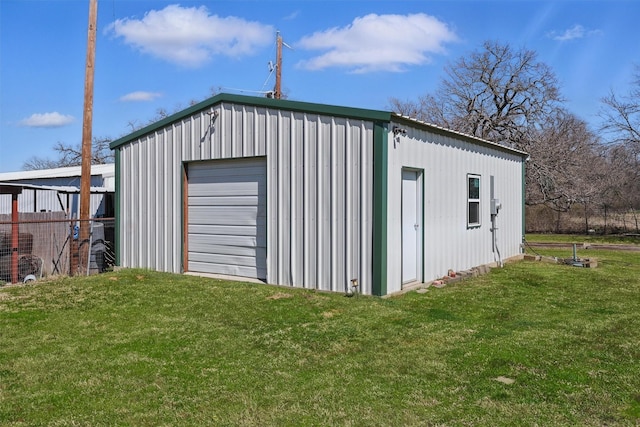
column 47, row 244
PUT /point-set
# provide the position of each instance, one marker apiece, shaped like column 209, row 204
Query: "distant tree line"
column 71, row 155
column 509, row 97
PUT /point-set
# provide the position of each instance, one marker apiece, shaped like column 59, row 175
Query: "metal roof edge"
column 282, row 104
column 333, row 110
column 470, row 138
column 71, row 189
column 104, row 170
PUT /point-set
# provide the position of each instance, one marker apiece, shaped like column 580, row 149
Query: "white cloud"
column 189, row 36
column 47, row 120
column 140, row 96
column 575, row 32
column 292, row 16
column 378, row 43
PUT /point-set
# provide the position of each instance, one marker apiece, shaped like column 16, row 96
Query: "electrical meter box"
column 495, row 206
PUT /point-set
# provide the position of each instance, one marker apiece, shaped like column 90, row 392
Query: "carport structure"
column 15, row 190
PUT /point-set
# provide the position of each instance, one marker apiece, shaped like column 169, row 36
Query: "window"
column 473, row 200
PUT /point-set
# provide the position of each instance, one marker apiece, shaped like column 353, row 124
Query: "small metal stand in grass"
column 579, row 262
column 353, row 289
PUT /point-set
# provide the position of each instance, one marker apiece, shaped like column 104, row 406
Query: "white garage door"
column 227, row 217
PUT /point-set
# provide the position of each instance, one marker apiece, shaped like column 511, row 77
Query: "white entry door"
column 411, row 226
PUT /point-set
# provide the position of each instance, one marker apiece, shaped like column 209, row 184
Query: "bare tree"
column 621, row 125
column 497, row 94
column 71, row 155
column 566, row 163
column 39, row 163
column 621, row 116
column 161, row 113
column 414, row 109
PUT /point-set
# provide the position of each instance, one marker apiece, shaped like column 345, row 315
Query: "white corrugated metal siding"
column 448, row 243
column 319, row 190
column 320, row 211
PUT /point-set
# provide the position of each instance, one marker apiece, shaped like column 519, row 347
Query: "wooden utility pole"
column 277, row 91
column 87, row 119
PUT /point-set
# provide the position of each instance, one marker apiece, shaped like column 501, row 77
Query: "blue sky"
column 154, row 54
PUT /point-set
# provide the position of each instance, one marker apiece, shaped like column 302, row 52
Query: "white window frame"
column 472, row 200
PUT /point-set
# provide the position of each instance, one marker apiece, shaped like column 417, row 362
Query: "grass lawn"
column 528, row 344
column 581, row 238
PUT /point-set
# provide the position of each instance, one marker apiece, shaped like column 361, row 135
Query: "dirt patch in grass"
column 280, row 295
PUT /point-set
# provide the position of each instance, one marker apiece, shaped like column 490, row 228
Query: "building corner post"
column 118, row 205
column 380, row 197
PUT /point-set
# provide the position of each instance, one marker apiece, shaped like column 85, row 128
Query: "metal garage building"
column 313, row 196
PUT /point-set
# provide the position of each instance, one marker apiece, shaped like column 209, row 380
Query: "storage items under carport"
column 36, row 244
column 28, row 264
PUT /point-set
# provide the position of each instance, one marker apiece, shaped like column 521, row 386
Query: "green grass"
column 143, row 348
column 581, row 238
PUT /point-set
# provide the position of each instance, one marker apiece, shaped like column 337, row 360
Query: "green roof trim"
column 118, row 207
column 282, row 104
column 380, row 200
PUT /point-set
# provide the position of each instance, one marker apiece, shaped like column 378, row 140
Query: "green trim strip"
column 380, row 189
column 183, row 182
column 118, row 205
column 307, row 107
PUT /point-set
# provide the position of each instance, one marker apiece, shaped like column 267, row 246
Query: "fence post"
column 15, row 240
